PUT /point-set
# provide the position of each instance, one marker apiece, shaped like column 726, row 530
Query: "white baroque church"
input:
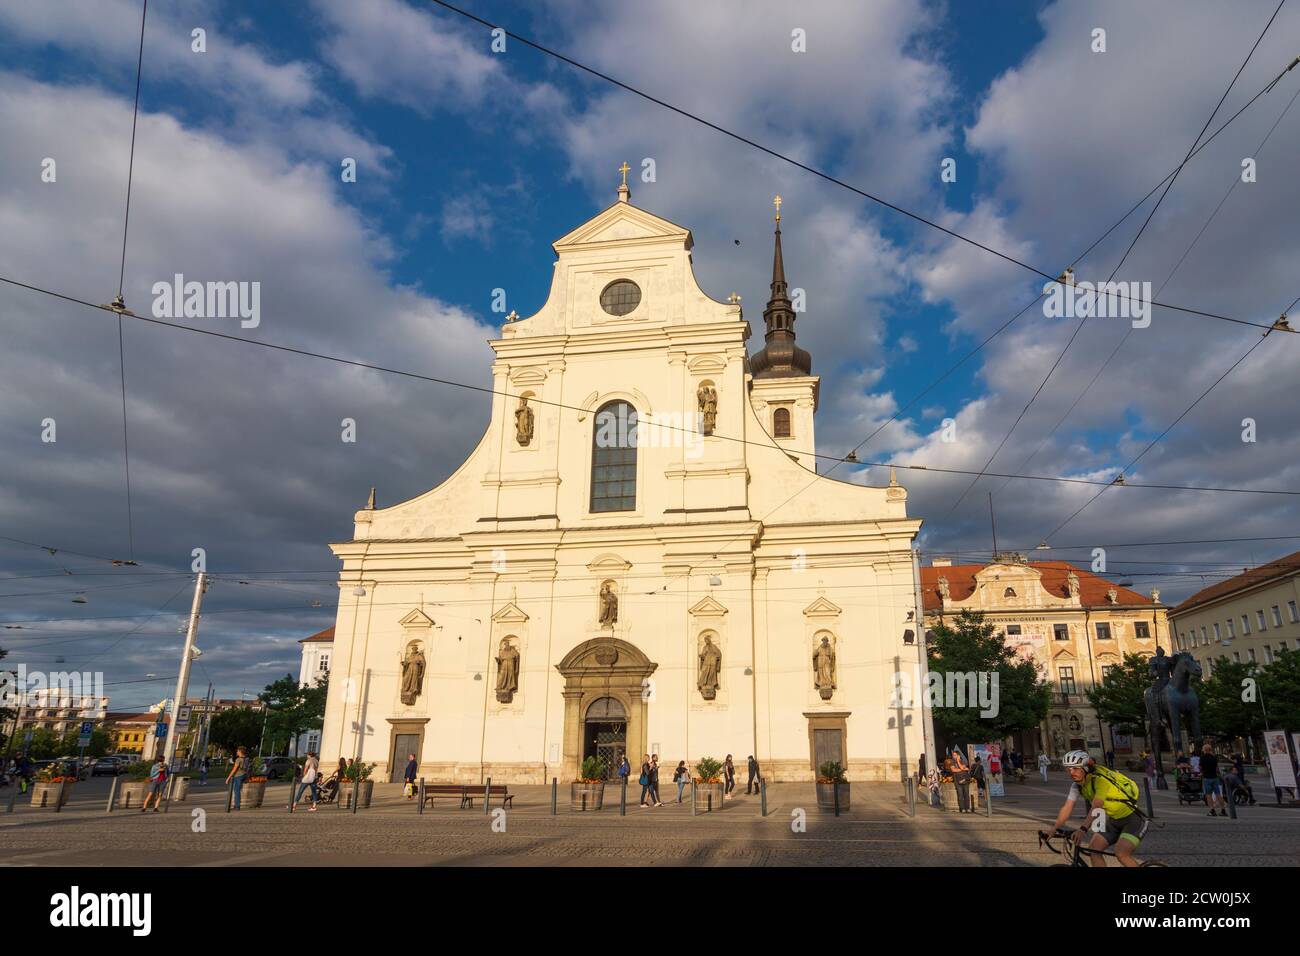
column 639, row 554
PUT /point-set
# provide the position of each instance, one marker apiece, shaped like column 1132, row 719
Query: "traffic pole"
column 183, row 678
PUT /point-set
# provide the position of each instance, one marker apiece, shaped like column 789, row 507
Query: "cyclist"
column 1113, row 817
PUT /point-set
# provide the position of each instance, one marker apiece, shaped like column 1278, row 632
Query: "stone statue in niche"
column 1072, row 582
column 707, row 398
column 524, row 422
column 1112, row 596
column 824, row 668
column 608, row 605
column 412, row 674
column 507, row 671
column 945, row 594
column 710, row 668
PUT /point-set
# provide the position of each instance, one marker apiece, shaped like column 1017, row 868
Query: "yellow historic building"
column 637, row 555
column 1072, row 623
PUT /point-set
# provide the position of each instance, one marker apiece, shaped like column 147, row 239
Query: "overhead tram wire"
column 811, row 169
column 1157, row 439
column 1124, row 258
column 1236, row 180
column 119, row 305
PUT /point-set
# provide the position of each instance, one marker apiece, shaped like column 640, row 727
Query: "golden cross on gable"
column 624, row 170
column 776, row 201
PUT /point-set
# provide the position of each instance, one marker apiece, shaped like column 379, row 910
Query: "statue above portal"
column 608, row 605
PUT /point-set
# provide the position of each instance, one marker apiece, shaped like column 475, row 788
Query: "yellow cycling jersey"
column 1117, row 792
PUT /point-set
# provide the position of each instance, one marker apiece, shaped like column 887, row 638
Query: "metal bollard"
column 988, row 800
column 1232, row 805
column 112, row 795
column 230, row 795
column 58, row 799
column 835, row 788
column 554, row 789
column 762, row 795
column 1146, row 787
column 421, row 796
column 622, row 798
column 487, row 796
column 167, row 795
column 293, row 791
column 692, row 798
column 13, row 795
column 911, row 796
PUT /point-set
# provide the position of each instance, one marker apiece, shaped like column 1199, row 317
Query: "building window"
column 1205, row 638
column 1061, row 632
column 1259, row 619
column 1103, row 631
column 1268, row 653
column 1232, row 631
column 620, row 297
column 1105, row 671
column 1217, row 635
column 1277, row 616
column 781, row 423
column 1250, row 653
column 1209, row 665
column 1067, row 680
column 324, row 662
column 613, row 458
column 1281, row 645
column 1013, row 630
column 1245, row 624
column 1291, row 609
column 1141, row 630
column 1236, row 656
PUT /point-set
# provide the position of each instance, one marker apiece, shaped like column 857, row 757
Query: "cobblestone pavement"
column 878, row 831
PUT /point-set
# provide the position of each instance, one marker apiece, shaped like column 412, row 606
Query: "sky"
column 470, row 162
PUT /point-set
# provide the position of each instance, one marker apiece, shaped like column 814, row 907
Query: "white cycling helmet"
column 1076, row 758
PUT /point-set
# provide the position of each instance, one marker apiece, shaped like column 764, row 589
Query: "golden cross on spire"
column 777, row 203
column 734, row 298
column 624, row 170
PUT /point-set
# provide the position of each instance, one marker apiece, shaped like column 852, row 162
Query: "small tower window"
column 781, row 423
column 620, row 297
column 1009, row 592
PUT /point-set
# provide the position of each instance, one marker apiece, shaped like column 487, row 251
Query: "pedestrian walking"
column 644, row 780
column 409, row 778
column 654, row 780
column 961, row 779
column 1043, row 763
column 310, row 776
column 680, row 777
column 624, row 768
column 203, row 771
column 1211, row 785
column 752, row 767
column 729, row 775
column 977, row 771
column 157, row 782
column 239, row 771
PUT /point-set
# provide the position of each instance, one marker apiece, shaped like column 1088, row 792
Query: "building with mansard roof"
column 639, row 554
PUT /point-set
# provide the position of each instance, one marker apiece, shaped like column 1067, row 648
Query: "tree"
column 1224, row 711
column 972, row 646
column 1279, row 686
column 234, row 728
column 1120, row 698
column 294, row 709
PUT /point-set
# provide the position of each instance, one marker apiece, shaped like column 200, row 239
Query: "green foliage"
column 1223, row 712
column 1279, row 688
column 971, row 645
column 593, row 770
column 234, row 728
column 831, row 772
column 139, row 770
column 359, row 771
column 1120, row 698
column 708, row 770
column 293, row 710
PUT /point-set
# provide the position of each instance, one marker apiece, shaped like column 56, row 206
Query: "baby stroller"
column 1189, row 788
column 329, row 790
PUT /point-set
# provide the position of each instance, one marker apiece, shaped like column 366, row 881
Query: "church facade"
column 638, row 556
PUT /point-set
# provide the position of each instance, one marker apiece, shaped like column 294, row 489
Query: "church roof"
column 1055, row 574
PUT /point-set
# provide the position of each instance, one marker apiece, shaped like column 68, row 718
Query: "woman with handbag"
column 680, row 777
column 644, row 780
column 411, row 769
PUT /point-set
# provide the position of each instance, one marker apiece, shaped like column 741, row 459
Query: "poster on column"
column 991, row 757
column 1279, row 759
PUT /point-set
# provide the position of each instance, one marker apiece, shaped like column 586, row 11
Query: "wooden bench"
column 468, row 792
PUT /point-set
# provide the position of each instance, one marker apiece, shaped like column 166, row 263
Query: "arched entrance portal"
column 606, row 684
column 605, row 733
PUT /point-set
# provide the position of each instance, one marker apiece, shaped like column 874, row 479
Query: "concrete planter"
column 45, row 794
column 586, row 796
column 367, row 791
column 252, row 794
column 130, row 795
column 708, row 797
column 948, row 795
column 826, row 796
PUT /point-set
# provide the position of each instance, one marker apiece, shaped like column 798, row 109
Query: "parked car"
column 108, row 766
column 277, row 768
column 73, row 766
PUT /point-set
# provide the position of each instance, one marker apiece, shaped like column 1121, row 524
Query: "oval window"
column 620, row 297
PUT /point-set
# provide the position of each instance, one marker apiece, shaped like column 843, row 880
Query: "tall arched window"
column 613, row 458
column 781, row 423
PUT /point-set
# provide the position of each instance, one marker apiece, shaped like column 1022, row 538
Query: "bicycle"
column 1078, row 851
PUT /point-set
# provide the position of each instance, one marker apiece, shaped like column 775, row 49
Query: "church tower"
column 783, row 389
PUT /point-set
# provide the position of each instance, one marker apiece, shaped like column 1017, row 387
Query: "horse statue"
column 1169, row 701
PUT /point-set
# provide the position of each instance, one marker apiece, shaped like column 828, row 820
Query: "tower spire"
column 779, row 356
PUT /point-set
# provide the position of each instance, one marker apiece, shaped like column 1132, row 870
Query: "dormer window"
column 620, row 297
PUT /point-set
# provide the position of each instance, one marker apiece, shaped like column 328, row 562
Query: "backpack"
column 1127, row 787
